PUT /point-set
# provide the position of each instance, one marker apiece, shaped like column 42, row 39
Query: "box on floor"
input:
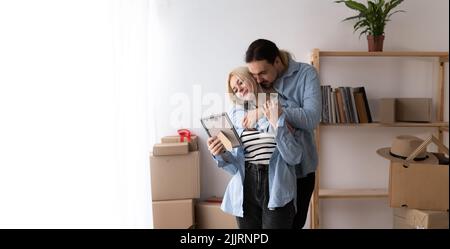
column 407, row 218
column 173, row 214
column 209, row 216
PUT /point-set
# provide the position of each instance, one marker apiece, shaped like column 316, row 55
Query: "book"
column 352, row 97
column 360, row 108
column 340, row 103
column 366, row 102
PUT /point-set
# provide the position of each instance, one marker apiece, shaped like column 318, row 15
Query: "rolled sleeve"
column 226, row 161
column 290, row 148
column 281, row 120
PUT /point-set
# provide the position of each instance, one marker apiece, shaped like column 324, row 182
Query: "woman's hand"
column 215, row 146
column 250, row 119
column 272, row 111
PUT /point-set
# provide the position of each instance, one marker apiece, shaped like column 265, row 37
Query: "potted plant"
column 372, row 19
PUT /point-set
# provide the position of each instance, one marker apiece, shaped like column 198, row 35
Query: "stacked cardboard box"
column 408, row 218
column 193, row 144
column 175, row 179
column 421, row 186
column 419, row 193
column 173, row 214
column 209, row 215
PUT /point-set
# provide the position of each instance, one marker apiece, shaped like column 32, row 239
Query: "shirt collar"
column 293, row 67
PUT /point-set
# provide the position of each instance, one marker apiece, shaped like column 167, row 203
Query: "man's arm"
column 308, row 116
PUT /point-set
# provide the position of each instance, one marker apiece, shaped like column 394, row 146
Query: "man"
column 300, row 98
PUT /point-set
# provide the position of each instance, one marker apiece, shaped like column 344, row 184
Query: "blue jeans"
column 256, row 199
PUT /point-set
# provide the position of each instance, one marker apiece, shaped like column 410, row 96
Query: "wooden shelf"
column 440, row 125
column 353, row 193
column 384, row 54
column 443, row 125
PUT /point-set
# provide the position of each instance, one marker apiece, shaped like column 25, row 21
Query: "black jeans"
column 256, row 199
column 305, row 187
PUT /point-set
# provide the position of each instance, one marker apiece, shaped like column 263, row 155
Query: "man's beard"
column 266, row 85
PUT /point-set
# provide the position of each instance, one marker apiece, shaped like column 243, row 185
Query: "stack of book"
column 345, row 105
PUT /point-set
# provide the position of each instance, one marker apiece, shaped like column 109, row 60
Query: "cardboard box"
column 175, row 177
column 413, row 109
column 422, row 186
column 387, row 110
column 175, row 214
column 209, row 216
column 193, row 144
column 168, row 149
column 407, row 218
column 400, row 223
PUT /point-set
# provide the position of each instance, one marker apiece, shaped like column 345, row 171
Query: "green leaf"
column 395, row 3
column 395, row 12
column 363, row 32
column 356, row 6
column 372, row 7
column 350, row 18
column 391, row 6
column 359, row 24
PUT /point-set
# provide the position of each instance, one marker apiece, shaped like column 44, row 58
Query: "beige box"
column 387, row 110
column 209, row 216
column 175, row 177
column 168, row 149
column 407, row 218
column 421, row 186
column 174, row 214
column 400, row 223
column 413, row 109
column 193, row 144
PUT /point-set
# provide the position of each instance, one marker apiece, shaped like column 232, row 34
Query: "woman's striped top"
column 258, row 146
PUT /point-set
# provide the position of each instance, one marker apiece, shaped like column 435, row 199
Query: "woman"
column 262, row 191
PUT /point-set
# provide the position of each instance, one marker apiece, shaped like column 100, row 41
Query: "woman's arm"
column 225, row 159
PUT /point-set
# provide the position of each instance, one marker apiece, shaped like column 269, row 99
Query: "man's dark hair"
column 262, row 49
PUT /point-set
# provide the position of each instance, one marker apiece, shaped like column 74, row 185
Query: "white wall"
column 202, row 40
column 73, row 130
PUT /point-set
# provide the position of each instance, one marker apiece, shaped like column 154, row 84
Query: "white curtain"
column 75, row 126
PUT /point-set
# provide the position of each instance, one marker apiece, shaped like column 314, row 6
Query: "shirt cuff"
column 223, row 158
column 281, row 120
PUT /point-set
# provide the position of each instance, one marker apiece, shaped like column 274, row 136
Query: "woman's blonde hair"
column 244, row 75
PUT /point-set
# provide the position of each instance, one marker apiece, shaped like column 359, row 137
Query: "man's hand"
column 272, row 111
column 215, row 146
column 250, row 119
